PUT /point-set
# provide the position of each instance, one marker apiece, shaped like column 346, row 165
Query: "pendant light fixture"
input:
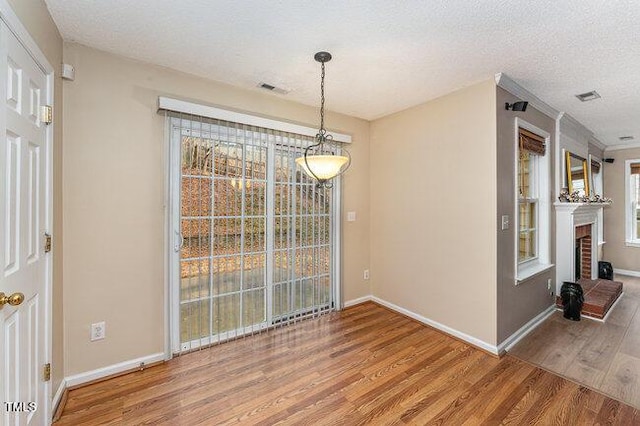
column 320, row 160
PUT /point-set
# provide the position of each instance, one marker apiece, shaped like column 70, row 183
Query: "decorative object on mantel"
column 575, row 197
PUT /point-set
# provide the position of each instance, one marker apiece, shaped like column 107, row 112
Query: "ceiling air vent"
column 272, row 88
column 589, row 96
column 626, row 138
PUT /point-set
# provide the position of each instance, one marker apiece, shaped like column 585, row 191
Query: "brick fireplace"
column 576, row 241
column 583, row 251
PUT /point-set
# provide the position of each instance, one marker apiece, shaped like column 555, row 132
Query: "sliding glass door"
column 254, row 236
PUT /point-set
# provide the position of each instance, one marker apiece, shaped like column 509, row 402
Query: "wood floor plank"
column 603, row 356
column 365, row 365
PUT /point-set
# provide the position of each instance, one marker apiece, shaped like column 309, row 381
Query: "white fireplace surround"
column 568, row 217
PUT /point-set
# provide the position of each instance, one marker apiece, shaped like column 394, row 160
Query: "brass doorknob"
column 14, row 300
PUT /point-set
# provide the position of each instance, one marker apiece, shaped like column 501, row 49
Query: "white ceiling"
column 387, row 55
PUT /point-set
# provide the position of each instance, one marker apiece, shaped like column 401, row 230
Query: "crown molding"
column 576, row 126
column 622, row 146
column 597, row 143
column 504, row 81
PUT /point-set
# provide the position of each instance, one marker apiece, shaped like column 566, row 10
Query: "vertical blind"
column 257, row 241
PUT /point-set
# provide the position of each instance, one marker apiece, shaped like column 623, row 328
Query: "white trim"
column 174, row 239
column 530, row 271
column 597, row 143
column 511, row 341
column 58, row 396
column 574, row 129
column 336, row 219
column 622, row 146
column 170, row 104
column 357, row 301
column 630, row 239
column 627, row 272
column 100, row 373
column 446, row 329
column 543, row 223
column 168, row 241
column 504, row 81
column 18, row 29
column 13, row 23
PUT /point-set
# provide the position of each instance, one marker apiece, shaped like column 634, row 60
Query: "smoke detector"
column 588, row 96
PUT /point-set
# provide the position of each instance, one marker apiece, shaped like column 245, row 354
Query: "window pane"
column 524, row 175
column 527, row 218
column 196, row 156
column 526, row 245
column 194, row 279
column 194, row 320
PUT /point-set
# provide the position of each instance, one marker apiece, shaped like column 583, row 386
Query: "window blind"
column 257, row 235
column 531, row 142
column 595, row 166
column 635, row 168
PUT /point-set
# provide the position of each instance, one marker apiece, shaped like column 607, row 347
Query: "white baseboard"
column 448, row 330
column 89, row 376
column 357, row 301
column 58, row 396
column 510, row 341
column 627, row 272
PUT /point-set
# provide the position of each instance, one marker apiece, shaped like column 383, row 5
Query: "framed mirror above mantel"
column 577, row 174
column 595, row 175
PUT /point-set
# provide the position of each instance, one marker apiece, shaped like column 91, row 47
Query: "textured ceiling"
column 388, row 55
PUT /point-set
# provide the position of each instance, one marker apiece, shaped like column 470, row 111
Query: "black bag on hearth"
column 572, row 300
column 605, row 270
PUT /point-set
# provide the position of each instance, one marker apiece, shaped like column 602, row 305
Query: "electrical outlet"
column 98, row 331
column 549, row 284
column 366, row 274
column 351, row 216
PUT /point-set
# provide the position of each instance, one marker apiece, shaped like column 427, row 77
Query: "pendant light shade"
column 321, row 161
column 324, row 167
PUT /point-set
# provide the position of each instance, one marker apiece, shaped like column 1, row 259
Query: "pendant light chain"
column 322, row 131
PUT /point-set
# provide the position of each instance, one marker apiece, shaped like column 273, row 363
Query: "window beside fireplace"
column 632, row 210
column 527, row 206
column 532, row 200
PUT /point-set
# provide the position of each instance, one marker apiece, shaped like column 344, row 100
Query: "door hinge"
column 46, row 372
column 46, row 114
column 47, row 243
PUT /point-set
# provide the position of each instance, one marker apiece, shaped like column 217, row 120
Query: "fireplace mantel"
column 568, row 217
column 580, row 207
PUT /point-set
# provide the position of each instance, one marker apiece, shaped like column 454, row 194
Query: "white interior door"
column 23, row 219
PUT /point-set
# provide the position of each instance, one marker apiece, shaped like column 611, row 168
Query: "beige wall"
column 433, row 210
column 35, row 17
column 518, row 304
column 114, row 171
column 615, row 250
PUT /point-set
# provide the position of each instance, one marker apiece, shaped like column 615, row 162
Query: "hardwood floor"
column 605, row 357
column 364, row 365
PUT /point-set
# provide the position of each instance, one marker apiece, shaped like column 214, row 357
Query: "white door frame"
column 11, row 20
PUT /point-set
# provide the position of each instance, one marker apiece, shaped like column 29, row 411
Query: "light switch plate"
column 351, row 216
column 505, row 222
